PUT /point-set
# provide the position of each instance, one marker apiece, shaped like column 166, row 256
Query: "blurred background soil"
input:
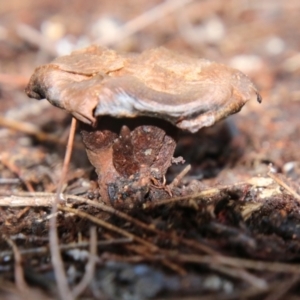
column 260, row 38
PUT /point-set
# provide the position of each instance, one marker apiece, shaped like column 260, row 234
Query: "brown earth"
column 229, row 230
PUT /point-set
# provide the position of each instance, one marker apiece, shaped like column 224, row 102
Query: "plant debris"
column 222, row 223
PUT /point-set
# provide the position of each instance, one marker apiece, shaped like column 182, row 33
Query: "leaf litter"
column 231, row 229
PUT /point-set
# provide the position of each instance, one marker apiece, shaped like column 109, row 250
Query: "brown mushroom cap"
column 188, row 92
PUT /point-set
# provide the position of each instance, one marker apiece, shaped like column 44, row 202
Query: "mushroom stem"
column 128, row 154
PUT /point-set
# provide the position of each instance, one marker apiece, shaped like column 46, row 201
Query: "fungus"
column 131, row 107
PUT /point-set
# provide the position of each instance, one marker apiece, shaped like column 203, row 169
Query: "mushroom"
column 131, row 107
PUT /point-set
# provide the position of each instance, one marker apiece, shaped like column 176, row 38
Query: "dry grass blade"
column 4, row 159
column 169, row 235
column 241, row 263
column 56, row 258
column 249, row 293
column 209, row 193
column 32, row 201
column 242, row 274
column 64, row 247
column 150, row 257
column 204, row 195
column 67, row 157
column 151, row 247
column 172, row 236
column 47, row 199
column 284, row 185
column 33, row 36
column 282, row 288
column 30, row 129
column 179, row 177
column 90, row 267
column 19, row 274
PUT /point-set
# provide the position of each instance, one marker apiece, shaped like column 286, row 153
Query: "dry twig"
column 284, row 185
column 282, row 288
column 57, row 261
column 33, row 36
column 239, row 273
column 151, row 247
column 30, row 129
column 90, row 267
column 47, row 199
column 19, row 274
column 64, row 247
column 4, row 159
column 203, row 195
column 241, row 263
column 148, row 246
column 179, row 177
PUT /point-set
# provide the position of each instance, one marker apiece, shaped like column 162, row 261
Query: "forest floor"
column 236, row 237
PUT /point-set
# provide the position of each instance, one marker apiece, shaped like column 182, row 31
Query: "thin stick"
column 149, row 246
column 282, row 288
column 19, row 274
column 33, row 36
column 170, row 235
column 4, row 159
column 47, row 199
column 259, row 265
column 239, row 273
column 102, row 223
column 165, row 261
column 284, row 185
column 21, row 200
column 90, row 267
column 239, row 263
column 30, row 129
column 64, row 247
column 56, row 258
column 179, row 177
column 250, row 293
column 204, row 195
column 67, row 157
column 33, row 201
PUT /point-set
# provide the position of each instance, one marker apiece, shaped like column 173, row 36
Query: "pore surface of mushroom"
column 131, row 106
